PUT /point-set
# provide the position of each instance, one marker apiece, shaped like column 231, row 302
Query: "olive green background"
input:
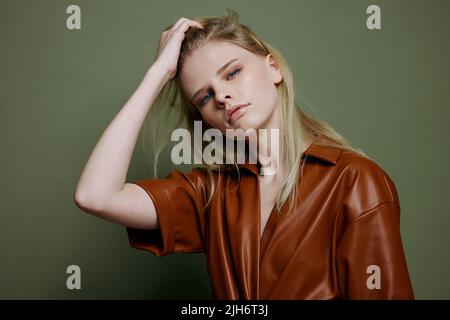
column 386, row 90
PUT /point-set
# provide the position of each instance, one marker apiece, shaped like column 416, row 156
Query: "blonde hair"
column 293, row 118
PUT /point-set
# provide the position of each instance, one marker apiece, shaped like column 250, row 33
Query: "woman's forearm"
column 106, row 170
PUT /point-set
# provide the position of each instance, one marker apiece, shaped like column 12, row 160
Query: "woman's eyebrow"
column 221, row 69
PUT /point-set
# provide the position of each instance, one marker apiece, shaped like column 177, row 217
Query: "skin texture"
column 255, row 83
column 252, row 79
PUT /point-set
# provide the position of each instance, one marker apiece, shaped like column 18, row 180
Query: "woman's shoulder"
column 202, row 176
column 198, row 176
column 368, row 182
column 359, row 162
column 361, row 165
column 345, row 159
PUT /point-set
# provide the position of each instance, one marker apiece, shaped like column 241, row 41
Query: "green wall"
column 385, row 90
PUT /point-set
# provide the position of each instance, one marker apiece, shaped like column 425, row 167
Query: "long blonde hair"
column 293, row 118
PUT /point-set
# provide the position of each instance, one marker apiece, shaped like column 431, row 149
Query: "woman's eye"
column 231, row 74
column 203, row 101
column 234, row 72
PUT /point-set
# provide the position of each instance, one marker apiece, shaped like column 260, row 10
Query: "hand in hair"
column 170, row 44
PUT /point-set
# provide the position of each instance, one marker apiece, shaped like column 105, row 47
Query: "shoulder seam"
column 365, row 213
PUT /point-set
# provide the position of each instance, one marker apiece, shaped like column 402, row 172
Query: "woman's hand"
column 170, row 44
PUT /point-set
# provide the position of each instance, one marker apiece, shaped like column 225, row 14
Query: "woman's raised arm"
column 101, row 189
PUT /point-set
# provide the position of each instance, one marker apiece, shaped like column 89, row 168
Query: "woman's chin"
column 246, row 125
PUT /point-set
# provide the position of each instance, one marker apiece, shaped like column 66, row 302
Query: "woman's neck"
column 270, row 156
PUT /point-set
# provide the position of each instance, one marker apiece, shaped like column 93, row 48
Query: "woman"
column 323, row 225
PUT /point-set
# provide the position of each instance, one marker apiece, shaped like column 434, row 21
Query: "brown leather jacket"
column 341, row 242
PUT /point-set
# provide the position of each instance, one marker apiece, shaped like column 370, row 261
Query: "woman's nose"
column 223, row 99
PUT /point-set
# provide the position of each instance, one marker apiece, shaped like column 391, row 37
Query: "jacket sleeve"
column 179, row 201
column 370, row 259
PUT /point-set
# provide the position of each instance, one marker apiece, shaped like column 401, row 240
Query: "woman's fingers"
column 186, row 24
column 170, row 43
column 179, row 21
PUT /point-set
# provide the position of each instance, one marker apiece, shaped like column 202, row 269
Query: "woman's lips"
column 237, row 113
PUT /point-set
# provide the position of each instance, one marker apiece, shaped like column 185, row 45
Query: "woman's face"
column 248, row 79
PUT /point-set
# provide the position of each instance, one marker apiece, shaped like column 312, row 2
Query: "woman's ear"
column 274, row 69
